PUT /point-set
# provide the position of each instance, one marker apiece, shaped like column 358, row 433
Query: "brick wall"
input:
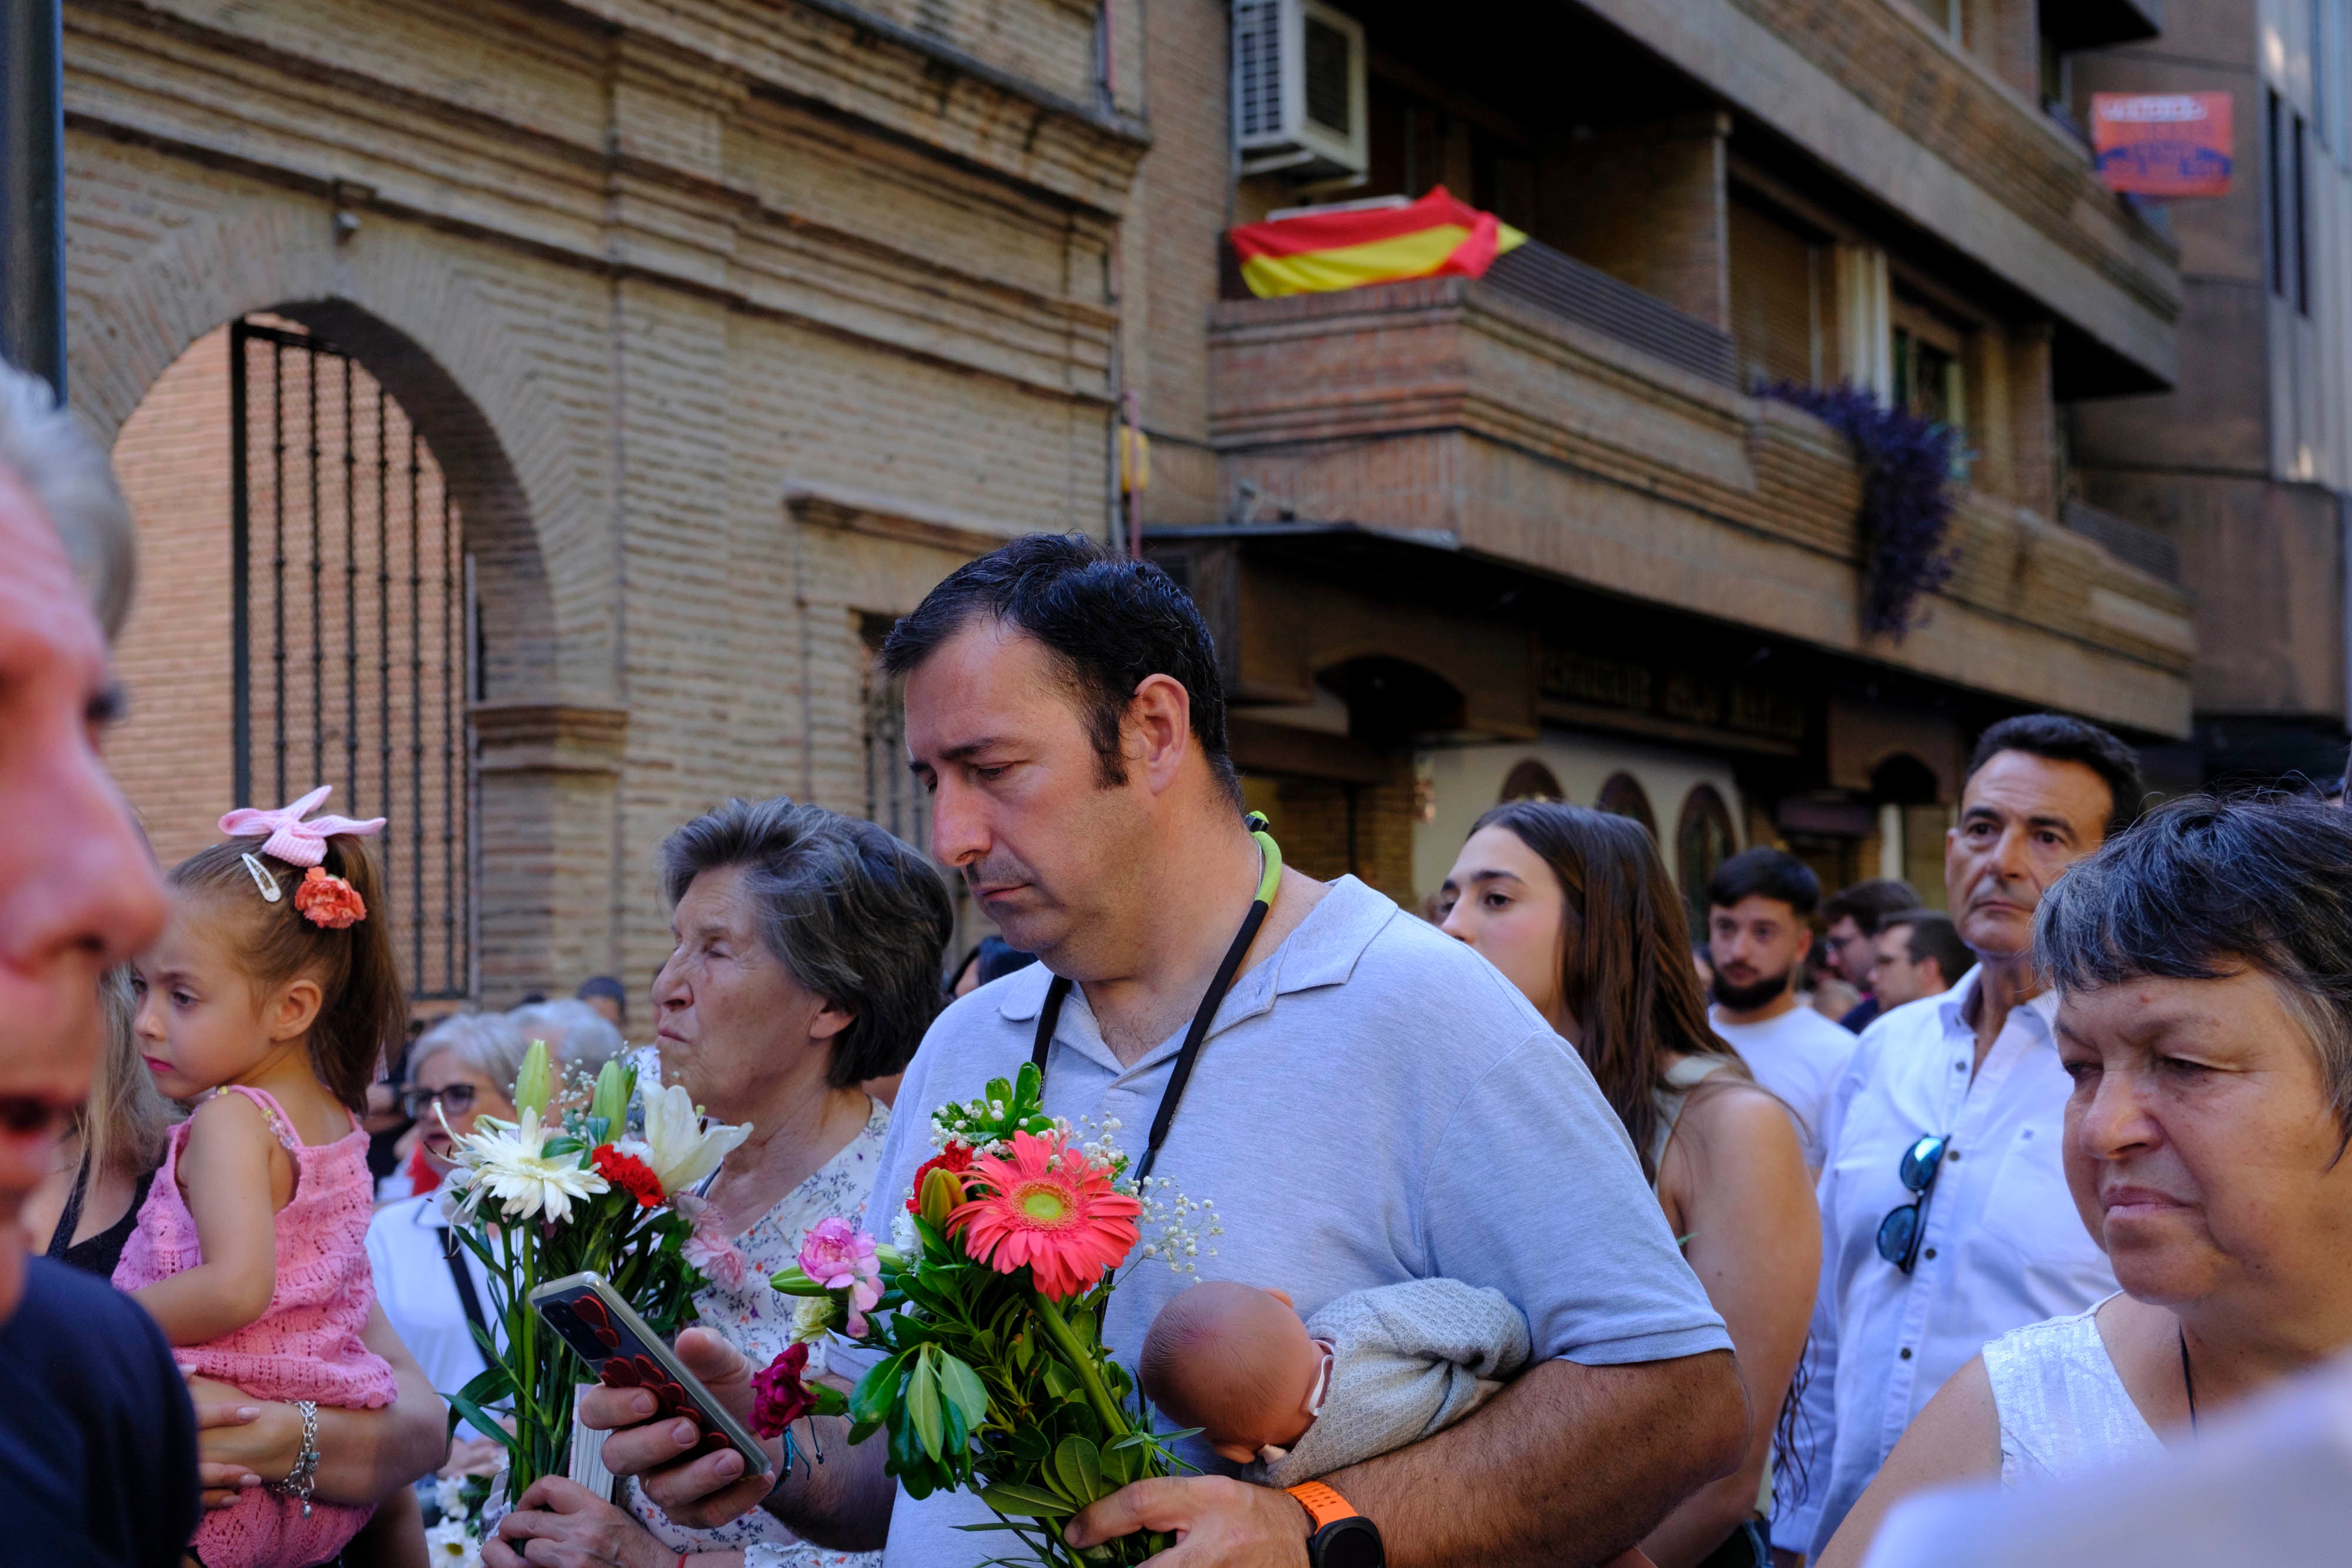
column 637, row 282
column 173, row 754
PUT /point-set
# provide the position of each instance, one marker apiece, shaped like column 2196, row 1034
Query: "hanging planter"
column 1906, row 509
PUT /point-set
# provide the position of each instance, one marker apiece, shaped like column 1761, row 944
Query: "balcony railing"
column 1591, row 297
column 2127, row 541
column 1556, row 282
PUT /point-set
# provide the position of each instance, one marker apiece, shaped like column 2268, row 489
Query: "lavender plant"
column 1906, row 511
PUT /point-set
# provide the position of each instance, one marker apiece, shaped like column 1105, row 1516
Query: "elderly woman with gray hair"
column 2203, row 962
column 806, row 961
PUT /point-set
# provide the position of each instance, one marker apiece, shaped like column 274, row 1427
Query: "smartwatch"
column 1341, row 1537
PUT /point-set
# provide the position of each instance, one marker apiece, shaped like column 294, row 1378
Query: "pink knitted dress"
column 307, row 1345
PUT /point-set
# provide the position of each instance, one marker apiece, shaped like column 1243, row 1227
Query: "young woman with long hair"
column 1575, row 908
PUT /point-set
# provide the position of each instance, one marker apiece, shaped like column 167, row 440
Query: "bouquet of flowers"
column 562, row 1189
column 988, row 1311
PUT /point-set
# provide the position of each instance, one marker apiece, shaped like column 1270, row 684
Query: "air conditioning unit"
column 1298, row 91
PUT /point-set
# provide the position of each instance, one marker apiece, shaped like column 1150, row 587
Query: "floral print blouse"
column 759, row 1322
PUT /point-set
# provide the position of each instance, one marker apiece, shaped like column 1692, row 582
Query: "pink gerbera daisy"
column 1049, row 1207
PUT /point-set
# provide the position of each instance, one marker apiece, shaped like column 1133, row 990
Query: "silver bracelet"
column 303, row 1479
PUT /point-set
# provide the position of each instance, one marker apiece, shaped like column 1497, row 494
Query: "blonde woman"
column 87, row 1209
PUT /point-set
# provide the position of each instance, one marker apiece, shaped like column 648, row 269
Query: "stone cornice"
column 884, row 516
column 549, row 737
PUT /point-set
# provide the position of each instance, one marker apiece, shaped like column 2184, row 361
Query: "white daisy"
column 509, row 1162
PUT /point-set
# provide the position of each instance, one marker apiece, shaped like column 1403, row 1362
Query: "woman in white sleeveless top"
column 1574, row 907
column 2203, row 962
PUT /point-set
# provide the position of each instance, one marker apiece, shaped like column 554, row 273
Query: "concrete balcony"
column 1476, row 418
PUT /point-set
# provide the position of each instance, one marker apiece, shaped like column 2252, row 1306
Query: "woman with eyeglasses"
column 2204, row 965
column 1575, row 909
column 430, row 1290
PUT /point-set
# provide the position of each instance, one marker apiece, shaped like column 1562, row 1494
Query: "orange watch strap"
column 1323, row 1505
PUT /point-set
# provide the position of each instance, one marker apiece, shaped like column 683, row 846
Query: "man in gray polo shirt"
column 1371, row 1103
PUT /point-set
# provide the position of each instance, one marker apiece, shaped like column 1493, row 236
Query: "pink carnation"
column 709, row 1249
column 840, row 1257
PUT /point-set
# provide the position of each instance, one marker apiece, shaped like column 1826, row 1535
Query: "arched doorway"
column 320, row 517
column 1622, row 795
column 1530, row 781
column 1704, row 839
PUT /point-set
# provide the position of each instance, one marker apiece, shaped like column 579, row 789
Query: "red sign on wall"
column 2162, row 143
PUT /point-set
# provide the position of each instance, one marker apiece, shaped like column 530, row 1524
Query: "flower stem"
column 1073, row 1352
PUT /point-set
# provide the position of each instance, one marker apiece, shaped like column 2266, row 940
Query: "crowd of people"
column 2049, row 1177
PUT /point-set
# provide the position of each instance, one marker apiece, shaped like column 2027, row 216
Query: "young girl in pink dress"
column 267, row 1001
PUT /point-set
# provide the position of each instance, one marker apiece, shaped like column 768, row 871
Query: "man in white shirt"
column 1760, row 926
column 1946, row 1218
column 1372, row 1103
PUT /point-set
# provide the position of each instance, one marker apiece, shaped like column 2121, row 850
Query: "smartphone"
column 605, row 1331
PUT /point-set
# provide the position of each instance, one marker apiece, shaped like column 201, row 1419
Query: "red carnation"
column 628, row 1172
column 779, row 1397
column 955, row 1158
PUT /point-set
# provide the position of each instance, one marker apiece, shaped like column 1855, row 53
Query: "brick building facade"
column 731, row 327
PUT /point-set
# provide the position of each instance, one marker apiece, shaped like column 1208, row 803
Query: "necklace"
column 2188, row 1378
column 1269, row 879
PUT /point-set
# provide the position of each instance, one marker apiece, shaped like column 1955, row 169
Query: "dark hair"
column 1627, row 974
column 2204, row 888
column 1868, row 903
column 999, row 959
column 363, row 1011
column 1108, row 621
column 1766, row 873
column 608, row 986
column 2059, row 739
column 1933, row 936
column 851, row 914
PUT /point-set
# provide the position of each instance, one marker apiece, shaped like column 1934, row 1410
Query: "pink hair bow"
column 292, row 840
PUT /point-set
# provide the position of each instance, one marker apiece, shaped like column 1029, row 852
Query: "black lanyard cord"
column 1050, row 1014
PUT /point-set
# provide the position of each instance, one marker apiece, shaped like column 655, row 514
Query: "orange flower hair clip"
column 324, row 899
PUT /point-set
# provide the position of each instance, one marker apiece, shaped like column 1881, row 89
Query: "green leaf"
column 564, row 1144
column 1060, row 1381
column 923, row 1402
column 492, row 1382
column 484, row 1423
column 1077, row 1465
column 962, row 1387
column 878, row 1390
column 998, row 1092
column 955, row 1444
column 1023, row 1502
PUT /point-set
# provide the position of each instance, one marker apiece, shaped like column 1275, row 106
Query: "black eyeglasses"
column 1899, row 1232
column 418, row 1103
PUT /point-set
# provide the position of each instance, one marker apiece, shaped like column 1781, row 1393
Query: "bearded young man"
column 1760, row 928
column 1946, row 1217
column 1372, row 1103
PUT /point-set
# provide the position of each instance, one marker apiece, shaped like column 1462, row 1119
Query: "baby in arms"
column 1372, row 1372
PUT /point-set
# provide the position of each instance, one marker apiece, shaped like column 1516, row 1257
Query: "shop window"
column 1624, row 796
column 1703, row 840
column 1531, row 780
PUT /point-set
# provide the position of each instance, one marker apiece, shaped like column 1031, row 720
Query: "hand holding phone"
column 607, row 1334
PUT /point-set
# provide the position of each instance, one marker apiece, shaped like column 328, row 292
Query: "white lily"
column 509, row 1162
column 682, row 1151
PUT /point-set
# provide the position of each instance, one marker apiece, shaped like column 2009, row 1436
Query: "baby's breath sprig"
column 1175, row 1229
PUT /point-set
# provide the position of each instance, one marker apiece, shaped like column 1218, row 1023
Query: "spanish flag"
column 1436, row 236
